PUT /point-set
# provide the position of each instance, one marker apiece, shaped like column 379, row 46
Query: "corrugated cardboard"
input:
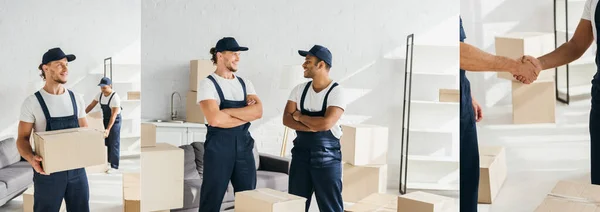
column 95, row 120
column 131, row 192
column 100, row 168
column 268, row 200
column 425, row 202
column 134, row 95
column 162, row 177
column 28, row 201
column 85, row 147
column 449, row 95
column 192, row 109
column 492, row 168
column 572, row 197
column 534, row 103
column 376, row 202
column 148, row 135
column 200, row 69
column 361, row 181
column 364, row 144
column 515, row 45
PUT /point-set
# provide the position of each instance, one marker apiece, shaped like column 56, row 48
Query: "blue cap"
column 229, row 44
column 55, row 54
column 320, row 52
column 105, row 81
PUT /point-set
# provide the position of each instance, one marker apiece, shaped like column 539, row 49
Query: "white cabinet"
column 180, row 135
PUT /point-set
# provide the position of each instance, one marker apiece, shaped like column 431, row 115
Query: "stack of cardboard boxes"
column 199, row 70
column 364, row 156
column 161, row 174
column 268, row 200
column 533, row 103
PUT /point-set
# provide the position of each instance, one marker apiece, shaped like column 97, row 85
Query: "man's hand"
column 250, row 102
column 296, row 114
column 477, row 110
column 35, row 162
column 106, row 132
column 529, row 69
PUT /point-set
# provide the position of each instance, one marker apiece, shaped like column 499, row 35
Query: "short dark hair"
column 327, row 66
column 213, row 52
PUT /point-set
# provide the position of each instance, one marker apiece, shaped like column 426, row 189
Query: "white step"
column 427, row 58
column 431, row 169
column 577, row 90
column 433, row 186
column 575, row 11
column 433, row 142
column 581, row 73
column 123, row 87
column 426, row 86
column 433, row 159
column 426, row 114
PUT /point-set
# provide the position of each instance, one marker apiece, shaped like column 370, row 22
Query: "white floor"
column 106, row 192
column 538, row 155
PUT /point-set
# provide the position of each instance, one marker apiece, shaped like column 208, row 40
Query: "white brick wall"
column 92, row 30
column 357, row 32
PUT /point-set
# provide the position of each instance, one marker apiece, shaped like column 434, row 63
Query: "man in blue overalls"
column 54, row 108
column 229, row 104
column 585, row 34
column 313, row 110
column 474, row 59
column 111, row 114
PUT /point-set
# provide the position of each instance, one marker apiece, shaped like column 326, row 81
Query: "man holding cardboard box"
column 229, row 104
column 313, row 110
column 474, row 59
column 111, row 114
column 586, row 33
column 54, row 108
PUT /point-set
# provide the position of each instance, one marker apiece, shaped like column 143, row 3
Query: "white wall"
column 92, row 30
column 485, row 19
column 359, row 34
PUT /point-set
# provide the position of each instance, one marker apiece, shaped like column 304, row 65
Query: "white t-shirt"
column 58, row 106
column 589, row 13
column 232, row 89
column 115, row 102
column 313, row 101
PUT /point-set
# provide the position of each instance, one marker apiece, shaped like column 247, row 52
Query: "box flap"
column 270, row 196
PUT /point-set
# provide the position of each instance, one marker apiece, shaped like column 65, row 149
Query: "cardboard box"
column 515, row 45
column 492, row 168
column 572, row 197
column 134, row 95
column 449, row 95
column 193, row 111
column 148, row 135
column 100, row 168
column 268, row 200
column 28, row 201
column 376, row 202
column 131, row 192
column 85, row 147
column 534, row 103
column 361, row 181
column 364, row 144
column 95, row 121
column 425, row 202
column 162, row 177
column 200, row 69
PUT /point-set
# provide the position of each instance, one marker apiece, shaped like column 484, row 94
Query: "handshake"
column 527, row 70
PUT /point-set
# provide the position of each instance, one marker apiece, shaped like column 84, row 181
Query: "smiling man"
column 54, row 108
column 229, row 104
column 313, row 110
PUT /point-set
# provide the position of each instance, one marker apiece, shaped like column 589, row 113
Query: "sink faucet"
column 174, row 112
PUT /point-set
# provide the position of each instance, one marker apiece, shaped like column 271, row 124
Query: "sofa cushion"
column 9, row 154
column 256, row 156
column 191, row 193
column 3, row 189
column 273, row 180
column 17, row 176
column 189, row 163
column 199, row 155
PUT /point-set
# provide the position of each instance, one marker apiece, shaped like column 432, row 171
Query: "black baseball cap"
column 105, row 81
column 55, row 54
column 320, row 52
column 229, row 44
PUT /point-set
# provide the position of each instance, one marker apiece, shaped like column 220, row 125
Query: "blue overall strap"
column 327, row 96
column 219, row 91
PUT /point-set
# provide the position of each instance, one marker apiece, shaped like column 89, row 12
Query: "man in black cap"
column 229, row 104
column 313, row 110
column 111, row 117
column 54, row 108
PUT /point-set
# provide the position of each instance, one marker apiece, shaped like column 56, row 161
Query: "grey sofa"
column 16, row 175
column 272, row 172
